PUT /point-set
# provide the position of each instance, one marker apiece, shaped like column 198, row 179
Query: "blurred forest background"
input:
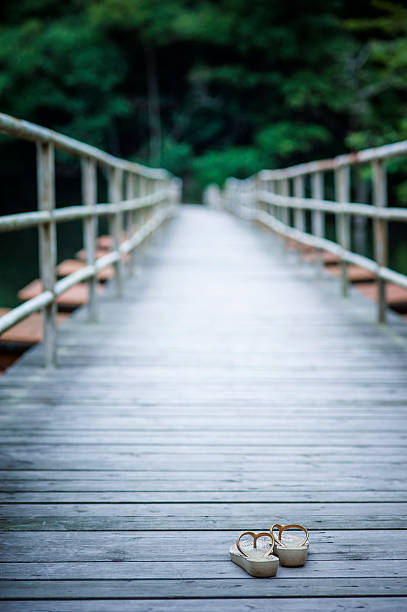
column 204, row 88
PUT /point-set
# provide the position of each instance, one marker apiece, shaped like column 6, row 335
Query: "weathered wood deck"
column 228, row 390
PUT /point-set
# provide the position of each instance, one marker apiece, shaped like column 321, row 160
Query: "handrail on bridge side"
column 270, row 195
column 144, row 202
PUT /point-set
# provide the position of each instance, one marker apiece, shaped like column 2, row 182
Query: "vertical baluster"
column 115, row 197
column 274, row 188
column 342, row 191
column 159, row 186
column 299, row 214
column 318, row 217
column 285, row 218
column 257, row 187
column 144, row 193
column 380, row 232
column 140, row 193
column 47, row 245
column 171, row 203
column 89, row 196
column 271, row 189
column 151, row 189
column 130, row 195
column 290, row 211
column 156, row 207
column 147, row 191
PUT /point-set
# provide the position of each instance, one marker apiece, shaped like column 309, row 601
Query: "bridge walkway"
column 229, row 389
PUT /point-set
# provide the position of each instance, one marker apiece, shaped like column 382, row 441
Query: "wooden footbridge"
column 224, row 386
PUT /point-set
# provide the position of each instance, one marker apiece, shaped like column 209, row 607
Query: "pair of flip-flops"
column 261, row 557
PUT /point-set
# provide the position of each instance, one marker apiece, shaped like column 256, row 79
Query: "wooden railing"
column 277, row 199
column 138, row 208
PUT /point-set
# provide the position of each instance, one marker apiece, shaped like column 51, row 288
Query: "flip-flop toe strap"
column 255, row 537
column 282, row 528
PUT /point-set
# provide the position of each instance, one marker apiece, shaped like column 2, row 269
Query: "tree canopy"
column 209, row 88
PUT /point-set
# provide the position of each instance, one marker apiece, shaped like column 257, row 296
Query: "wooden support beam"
column 47, row 245
column 299, row 214
column 380, row 232
column 342, row 194
column 317, row 216
column 130, row 194
column 285, row 214
column 115, row 196
column 285, row 192
column 89, row 195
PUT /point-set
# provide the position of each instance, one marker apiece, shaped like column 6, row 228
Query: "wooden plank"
column 128, row 459
column 355, row 488
column 121, row 496
column 328, row 259
column 223, row 392
column 114, row 546
column 81, row 255
column 190, row 523
column 336, row 604
column 356, row 274
column 176, row 570
column 200, row 589
column 233, row 511
column 210, row 440
column 69, row 266
column 29, row 330
column 70, row 299
column 395, row 295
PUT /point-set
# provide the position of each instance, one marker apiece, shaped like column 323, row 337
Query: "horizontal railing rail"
column 140, row 199
column 276, row 198
column 36, row 133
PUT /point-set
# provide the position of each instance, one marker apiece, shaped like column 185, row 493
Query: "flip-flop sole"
column 291, row 555
column 262, row 567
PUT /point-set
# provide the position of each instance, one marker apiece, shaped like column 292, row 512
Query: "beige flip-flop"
column 292, row 551
column 258, row 561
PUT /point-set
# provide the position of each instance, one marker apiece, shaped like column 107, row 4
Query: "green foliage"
column 226, row 86
column 62, row 74
column 282, row 140
column 176, row 156
column 381, row 76
column 216, row 166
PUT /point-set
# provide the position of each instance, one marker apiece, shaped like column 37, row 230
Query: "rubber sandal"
column 256, row 561
column 292, row 551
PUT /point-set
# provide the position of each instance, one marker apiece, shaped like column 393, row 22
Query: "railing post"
column 271, row 189
column 144, row 193
column 130, row 195
column 277, row 191
column 285, row 192
column 115, row 197
column 47, row 245
column 89, row 195
column 299, row 217
column 342, row 191
column 256, row 187
column 318, row 217
column 380, row 232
